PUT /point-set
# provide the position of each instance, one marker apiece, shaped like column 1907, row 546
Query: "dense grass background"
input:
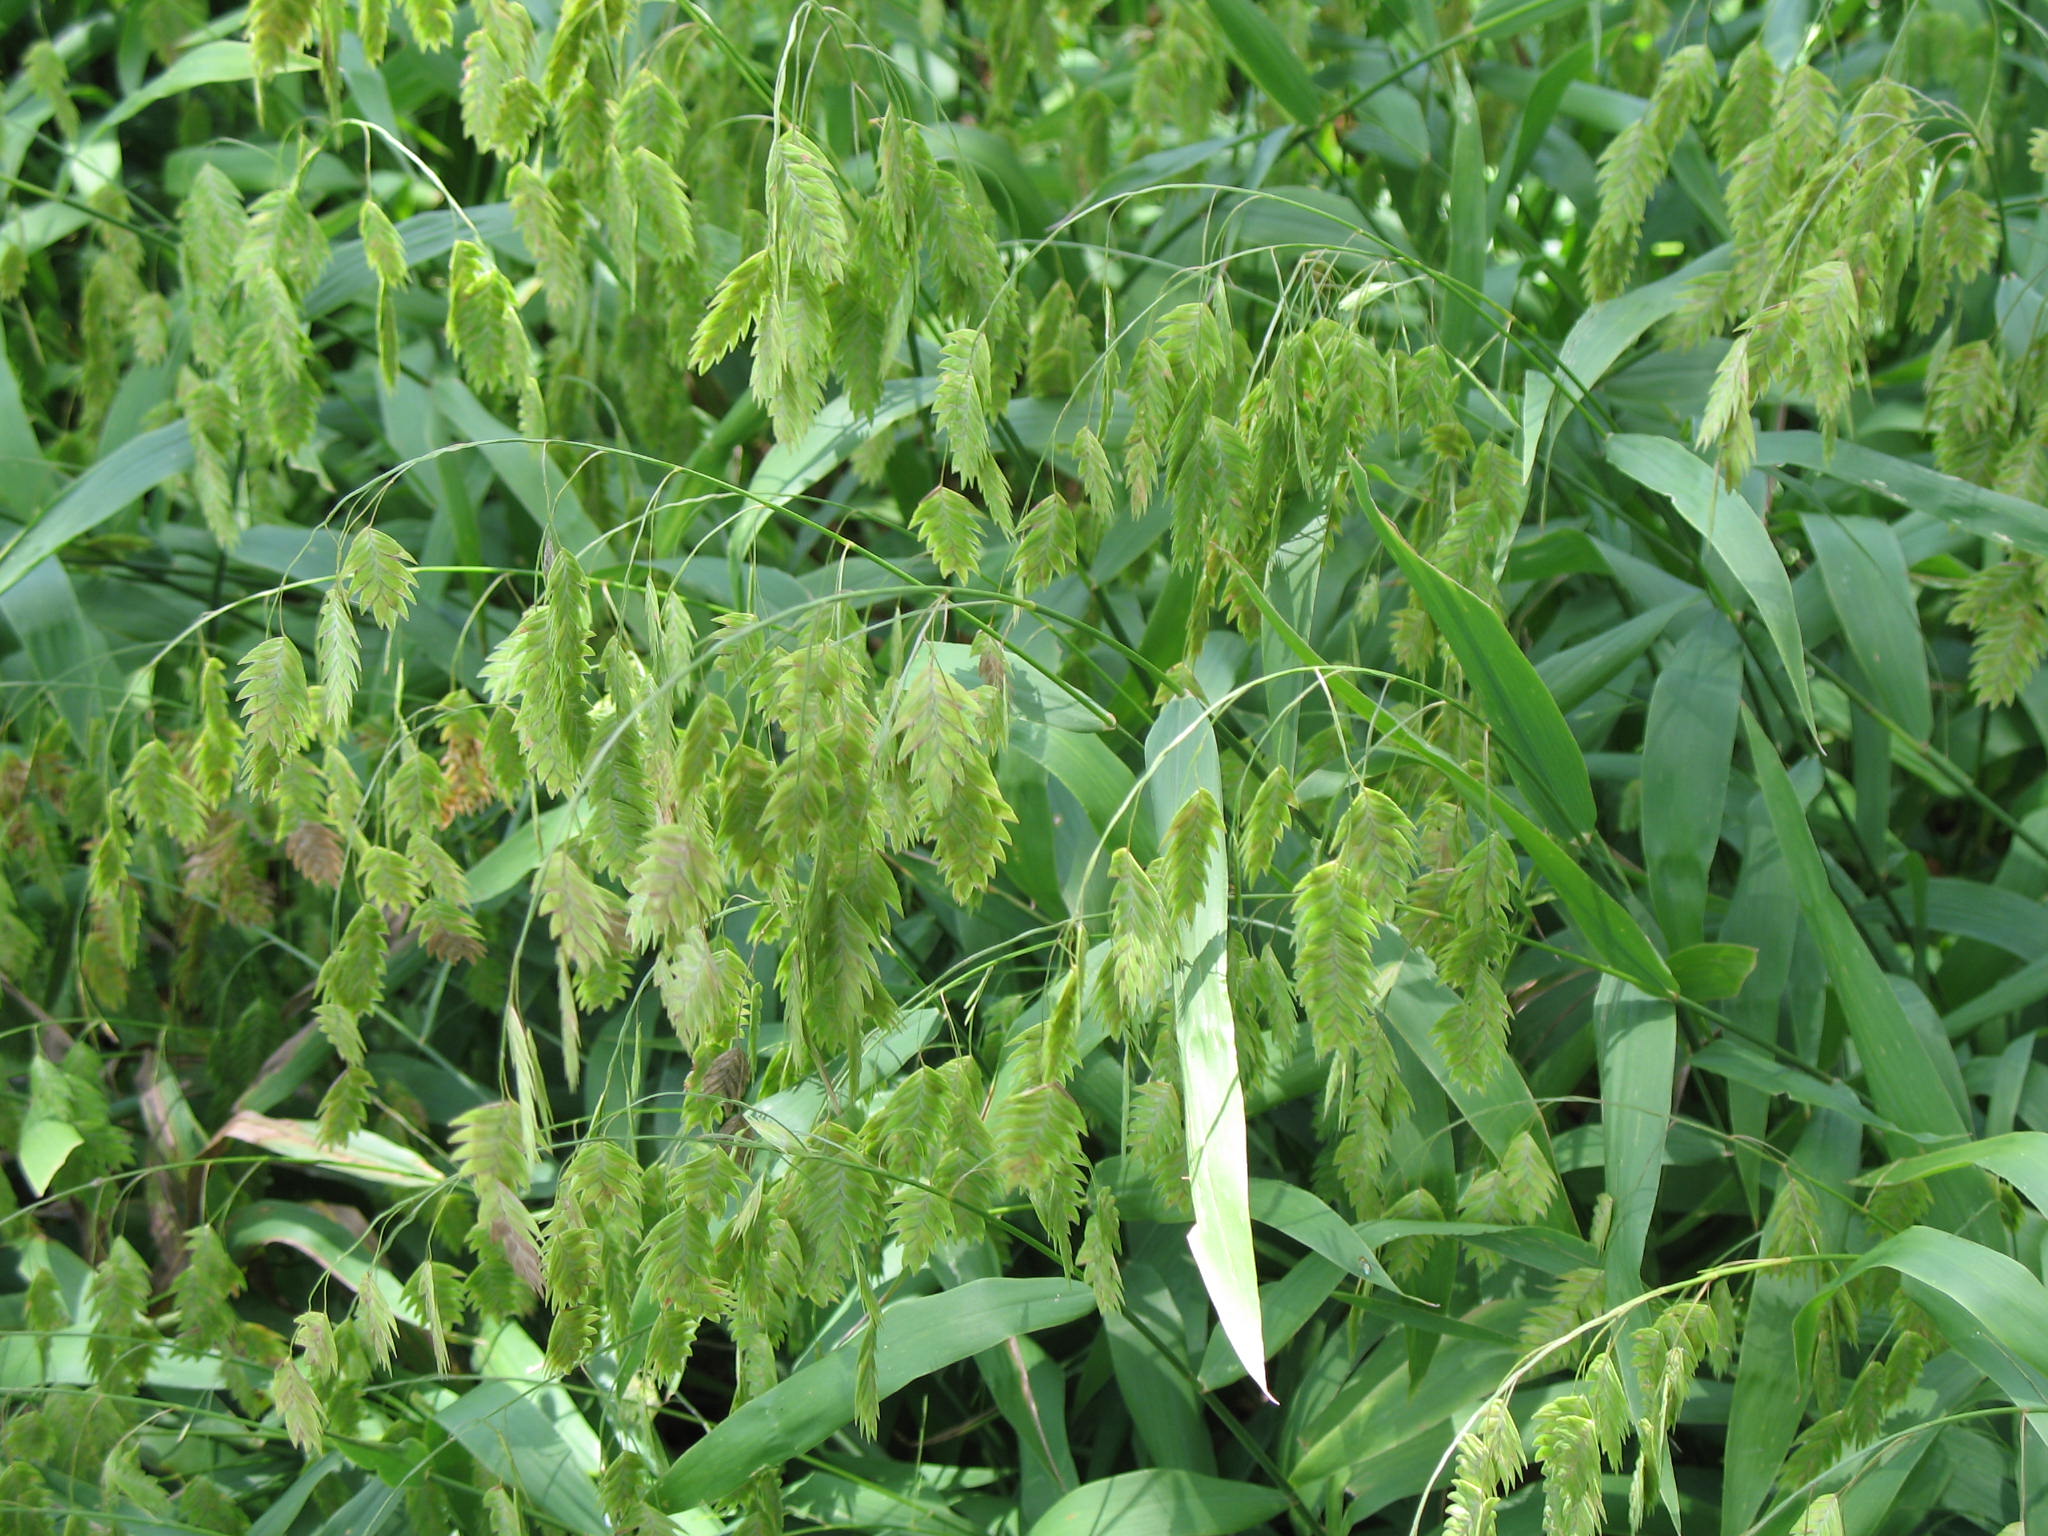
column 1023, row 768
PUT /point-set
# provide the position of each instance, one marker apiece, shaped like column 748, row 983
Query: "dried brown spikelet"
column 316, row 852
column 448, row 933
column 220, row 870
column 727, row 1075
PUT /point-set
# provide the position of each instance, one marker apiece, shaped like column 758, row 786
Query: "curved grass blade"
column 1688, row 744
column 1864, row 570
column 1915, row 1088
column 1465, row 260
column 428, row 237
column 1597, row 340
column 1738, row 1063
column 216, row 63
column 1395, row 1410
column 533, row 480
column 111, row 486
column 24, row 472
column 1990, row 914
column 1151, row 1344
column 1989, row 514
column 1502, row 1108
column 1992, row 1310
column 1029, row 1387
column 1710, row 972
column 1731, row 528
column 44, row 1140
column 1545, row 760
column 2022, row 989
column 1637, row 1037
column 1161, row 1502
column 1770, row 1396
column 2018, row 1157
column 1302, row 1216
column 1286, row 1208
column 1286, row 1306
column 1578, row 672
column 1544, row 1249
column 499, row 1424
column 364, row 1155
column 1262, row 53
column 787, row 470
column 317, row 1234
column 64, row 653
column 1181, row 752
column 1617, row 940
column 918, row 1336
column 1537, row 115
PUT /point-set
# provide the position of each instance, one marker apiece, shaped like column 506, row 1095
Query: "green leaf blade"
column 918, row 1337
column 1546, row 761
column 1182, row 760
column 1732, row 529
column 1160, row 1502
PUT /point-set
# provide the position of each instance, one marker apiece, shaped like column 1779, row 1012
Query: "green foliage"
column 952, row 529
column 592, row 605
column 484, row 329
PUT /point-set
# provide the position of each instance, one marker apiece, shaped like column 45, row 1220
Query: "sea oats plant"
column 1023, row 767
